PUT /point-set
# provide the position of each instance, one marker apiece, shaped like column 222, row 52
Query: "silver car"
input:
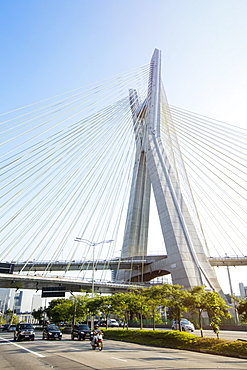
column 186, row 325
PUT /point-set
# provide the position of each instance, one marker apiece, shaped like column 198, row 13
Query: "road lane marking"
column 25, row 349
column 119, row 359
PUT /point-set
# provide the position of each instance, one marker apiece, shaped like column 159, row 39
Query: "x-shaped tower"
column 186, row 259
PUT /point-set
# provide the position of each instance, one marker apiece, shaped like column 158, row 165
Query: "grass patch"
column 179, row 340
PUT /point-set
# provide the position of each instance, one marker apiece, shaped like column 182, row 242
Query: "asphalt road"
column 78, row 355
column 224, row 334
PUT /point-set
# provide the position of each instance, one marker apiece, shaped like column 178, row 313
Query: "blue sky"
column 52, row 46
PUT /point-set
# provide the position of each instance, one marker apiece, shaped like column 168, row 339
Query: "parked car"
column 23, row 331
column 11, row 328
column 52, row 332
column 186, row 325
column 81, row 332
column 111, row 323
column 4, row 327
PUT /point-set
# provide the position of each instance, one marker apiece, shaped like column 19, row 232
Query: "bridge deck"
column 114, row 264
column 38, row 282
column 228, row 261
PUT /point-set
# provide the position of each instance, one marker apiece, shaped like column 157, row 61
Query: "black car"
column 24, row 331
column 81, row 332
column 5, row 327
column 52, row 332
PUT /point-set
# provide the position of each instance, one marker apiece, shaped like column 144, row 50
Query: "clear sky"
column 52, row 46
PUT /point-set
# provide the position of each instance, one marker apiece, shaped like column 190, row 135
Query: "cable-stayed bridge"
column 116, row 263
column 69, row 284
column 37, row 281
column 67, row 165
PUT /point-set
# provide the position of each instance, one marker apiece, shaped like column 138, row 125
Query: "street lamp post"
column 74, row 310
column 92, row 244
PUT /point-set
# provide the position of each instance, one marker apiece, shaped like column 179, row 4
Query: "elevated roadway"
column 228, row 261
column 26, row 274
column 114, row 264
column 37, row 282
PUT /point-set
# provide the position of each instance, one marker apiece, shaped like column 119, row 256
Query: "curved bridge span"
column 153, row 266
column 38, row 282
column 113, row 264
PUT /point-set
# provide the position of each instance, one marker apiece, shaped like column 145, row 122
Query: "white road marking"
column 75, row 349
column 119, row 359
column 17, row 345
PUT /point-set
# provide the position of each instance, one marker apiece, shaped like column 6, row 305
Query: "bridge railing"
column 84, row 280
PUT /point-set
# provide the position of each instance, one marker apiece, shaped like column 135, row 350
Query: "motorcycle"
column 97, row 341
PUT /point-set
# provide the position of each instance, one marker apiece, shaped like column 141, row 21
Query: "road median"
column 180, row 340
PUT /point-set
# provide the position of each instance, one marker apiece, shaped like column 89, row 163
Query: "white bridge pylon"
column 186, row 260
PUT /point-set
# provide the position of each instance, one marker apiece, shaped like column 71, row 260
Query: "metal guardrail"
column 37, row 281
column 228, row 261
column 97, row 261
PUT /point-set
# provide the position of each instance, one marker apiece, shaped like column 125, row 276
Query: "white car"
column 186, row 325
column 113, row 323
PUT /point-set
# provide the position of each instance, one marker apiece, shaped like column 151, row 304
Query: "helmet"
column 96, row 326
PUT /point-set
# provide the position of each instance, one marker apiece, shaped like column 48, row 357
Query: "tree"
column 2, row 319
column 14, row 319
column 79, row 309
column 11, row 317
column 241, row 305
column 156, row 298
column 93, row 305
column 138, row 304
column 216, row 309
column 39, row 315
column 60, row 310
column 8, row 314
column 177, row 301
column 99, row 305
column 197, row 303
column 123, row 306
column 106, row 307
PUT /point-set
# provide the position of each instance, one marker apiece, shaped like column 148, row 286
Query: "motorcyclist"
column 96, row 332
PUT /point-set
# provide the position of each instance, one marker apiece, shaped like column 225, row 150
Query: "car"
column 52, row 332
column 24, row 331
column 111, row 323
column 66, row 330
column 102, row 323
column 5, row 327
column 81, row 332
column 186, row 325
column 11, row 328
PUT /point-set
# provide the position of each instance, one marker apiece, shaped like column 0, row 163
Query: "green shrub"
column 179, row 340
